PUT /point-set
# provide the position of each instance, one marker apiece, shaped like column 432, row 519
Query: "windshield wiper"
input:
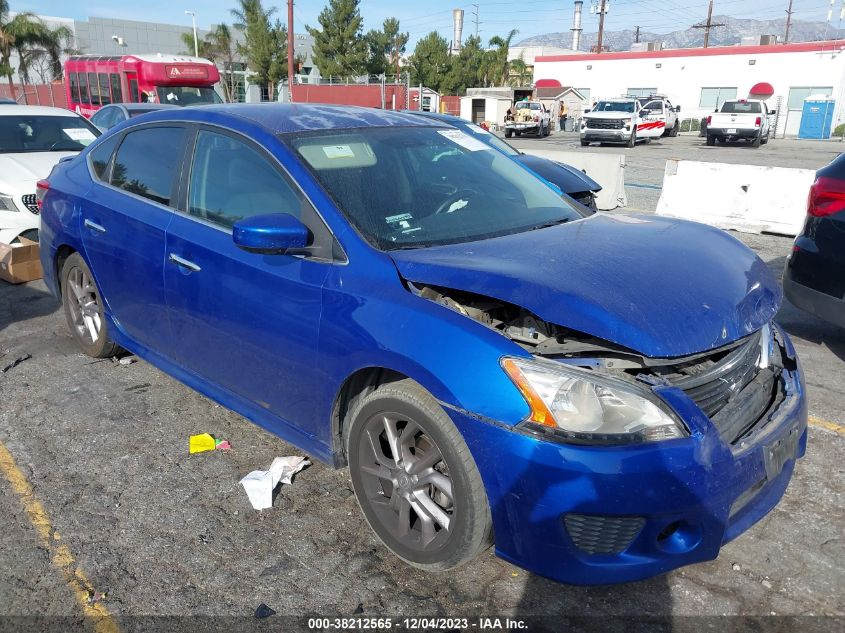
column 548, row 224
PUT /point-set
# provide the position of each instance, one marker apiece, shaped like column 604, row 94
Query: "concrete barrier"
column 747, row 198
column 606, row 169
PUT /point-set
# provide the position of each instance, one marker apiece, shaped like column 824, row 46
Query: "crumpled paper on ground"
column 259, row 484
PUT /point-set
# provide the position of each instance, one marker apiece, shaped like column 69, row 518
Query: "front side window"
column 654, row 107
column 147, row 162
column 93, row 89
column 423, row 186
column 231, row 180
column 40, row 133
column 116, row 90
column 105, row 97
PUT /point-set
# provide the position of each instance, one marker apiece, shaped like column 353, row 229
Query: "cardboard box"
column 20, row 262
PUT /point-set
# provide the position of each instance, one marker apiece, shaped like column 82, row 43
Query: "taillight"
column 758, row 121
column 41, row 188
column 709, row 120
column 827, row 196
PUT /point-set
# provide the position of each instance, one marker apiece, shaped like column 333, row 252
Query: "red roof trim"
column 800, row 47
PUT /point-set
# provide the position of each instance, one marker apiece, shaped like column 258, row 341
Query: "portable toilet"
column 816, row 117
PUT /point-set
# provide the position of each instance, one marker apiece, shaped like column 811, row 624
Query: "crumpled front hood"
column 568, row 179
column 20, row 172
column 659, row 286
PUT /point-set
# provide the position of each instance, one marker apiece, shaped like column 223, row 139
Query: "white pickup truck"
column 740, row 119
column 528, row 117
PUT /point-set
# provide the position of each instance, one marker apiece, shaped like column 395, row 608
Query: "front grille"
column 595, row 534
column 730, row 388
column 605, row 124
column 30, row 201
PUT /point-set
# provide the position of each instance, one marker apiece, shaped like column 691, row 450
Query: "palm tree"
column 16, row 34
column 502, row 47
column 517, row 72
column 223, row 44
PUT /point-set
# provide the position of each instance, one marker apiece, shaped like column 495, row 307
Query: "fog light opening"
column 679, row 537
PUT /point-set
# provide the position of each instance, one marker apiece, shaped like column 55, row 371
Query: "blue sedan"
column 604, row 398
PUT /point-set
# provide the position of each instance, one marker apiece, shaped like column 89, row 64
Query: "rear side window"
column 116, row 92
column 100, row 158
column 147, row 162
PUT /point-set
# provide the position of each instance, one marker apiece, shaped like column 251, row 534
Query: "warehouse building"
column 700, row 79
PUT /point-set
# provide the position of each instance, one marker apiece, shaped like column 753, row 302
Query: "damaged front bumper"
column 585, row 514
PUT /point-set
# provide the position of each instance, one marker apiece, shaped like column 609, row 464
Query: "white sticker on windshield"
column 79, row 134
column 464, row 140
column 338, row 151
column 398, row 218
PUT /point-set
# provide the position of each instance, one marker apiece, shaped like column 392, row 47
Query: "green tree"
column 339, row 46
column 386, row 48
column 204, row 46
column 223, row 45
column 21, row 34
column 279, row 64
column 499, row 59
column 464, row 68
column 430, row 61
column 260, row 43
column 518, row 72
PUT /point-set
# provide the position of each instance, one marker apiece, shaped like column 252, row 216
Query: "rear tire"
column 83, row 308
column 585, row 143
column 757, row 140
column 711, row 140
column 765, row 138
column 415, row 479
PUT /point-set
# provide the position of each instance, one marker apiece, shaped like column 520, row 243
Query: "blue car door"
column 124, row 217
column 247, row 322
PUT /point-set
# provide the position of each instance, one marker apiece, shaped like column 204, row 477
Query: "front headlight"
column 7, row 203
column 578, row 405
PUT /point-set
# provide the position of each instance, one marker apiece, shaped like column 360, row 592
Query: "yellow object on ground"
column 201, row 443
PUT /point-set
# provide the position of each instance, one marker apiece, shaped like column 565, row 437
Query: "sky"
column 496, row 17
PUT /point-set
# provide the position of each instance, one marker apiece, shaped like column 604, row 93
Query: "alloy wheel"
column 84, row 305
column 406, row 481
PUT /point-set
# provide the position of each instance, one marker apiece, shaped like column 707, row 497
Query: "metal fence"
column 36, row 94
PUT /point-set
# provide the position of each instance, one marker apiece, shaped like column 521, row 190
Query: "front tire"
column 414, row 478
column 632, row 140
column 83, row 308
column 675, row 128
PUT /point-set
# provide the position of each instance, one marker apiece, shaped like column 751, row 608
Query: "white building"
column 700, row 79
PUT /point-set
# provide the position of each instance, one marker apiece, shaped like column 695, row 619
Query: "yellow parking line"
column 839, row 429
column 60, row 555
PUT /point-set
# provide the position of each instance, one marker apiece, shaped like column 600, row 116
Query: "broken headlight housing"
column 578, row 405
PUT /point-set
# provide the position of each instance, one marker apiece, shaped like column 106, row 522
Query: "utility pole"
column 708, row 25
column 601, row 9
column 475, row 13
column 290, row 51
column 789, row 13
column 637, row 36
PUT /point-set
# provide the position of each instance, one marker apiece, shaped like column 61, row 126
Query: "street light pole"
column 193, row 15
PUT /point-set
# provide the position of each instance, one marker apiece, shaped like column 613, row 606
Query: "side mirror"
column 677, row 108
column 270, row 233
column 773, row 111
column 586, row 110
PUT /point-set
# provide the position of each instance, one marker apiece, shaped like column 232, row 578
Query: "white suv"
column 32, row 140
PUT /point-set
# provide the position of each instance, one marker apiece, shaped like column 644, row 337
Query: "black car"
column 814, row 277
column 6, row 100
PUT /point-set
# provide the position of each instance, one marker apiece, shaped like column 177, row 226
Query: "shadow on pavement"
column 24, row 301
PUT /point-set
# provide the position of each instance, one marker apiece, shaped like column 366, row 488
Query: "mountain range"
column 732, row 32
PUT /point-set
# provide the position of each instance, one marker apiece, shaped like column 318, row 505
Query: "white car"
column 32, row 140
column 620, row 120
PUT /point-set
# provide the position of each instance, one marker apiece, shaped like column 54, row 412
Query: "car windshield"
column 530, row 105
column 614, row 106
column 740, row 107
column 486, row 137
column 187, row 95
column 422, row 186
column 45, row 133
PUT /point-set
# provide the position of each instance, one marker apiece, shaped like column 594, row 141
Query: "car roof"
column 20, row 110
column 284, row 118
column 439, row 116
column 131, row 107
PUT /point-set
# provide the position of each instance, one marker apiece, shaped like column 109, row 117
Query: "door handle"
column 94, row 226
column 181, row 261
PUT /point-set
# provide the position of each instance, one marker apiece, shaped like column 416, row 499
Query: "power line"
column 707, row 25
